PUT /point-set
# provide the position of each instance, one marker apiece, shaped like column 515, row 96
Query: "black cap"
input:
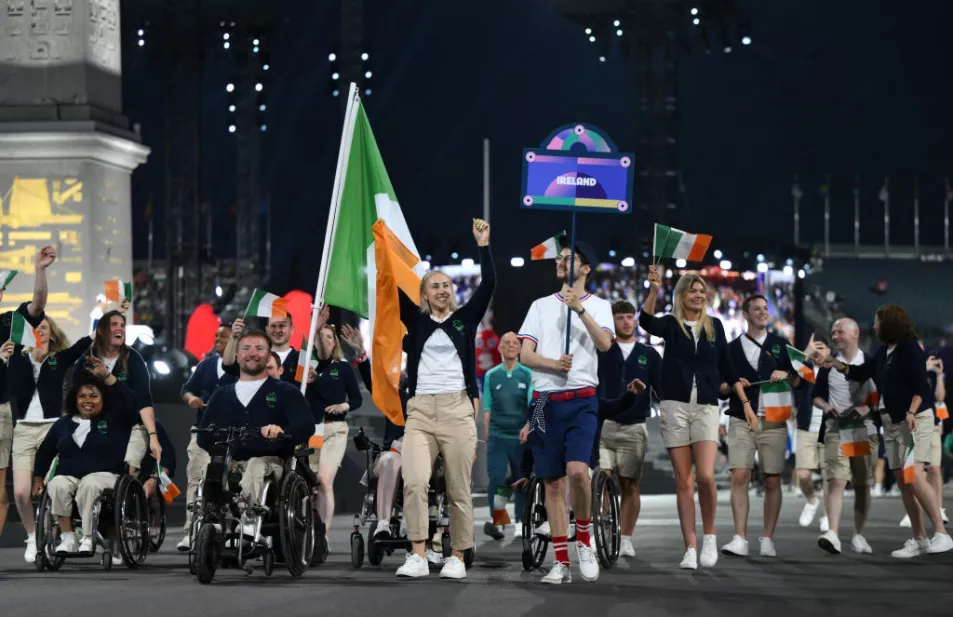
column 588, row 253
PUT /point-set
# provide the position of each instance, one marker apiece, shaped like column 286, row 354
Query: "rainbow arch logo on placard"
column 579, row 138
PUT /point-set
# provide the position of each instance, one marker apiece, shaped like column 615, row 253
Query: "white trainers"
column 67, row 545
column 183, row 545
column 912, row 548
column 940, row 543
column 86, row 546
column 30, row 555
column 877, row 490
column 625, row 548
column 829, row 542
column 767, row 548
column 943, row 515
column 414, row 566
column 709, row 556
column 808, row 513
column 860, row 545
column 382, row 530
column 825, row 524
column 905, row 523
column 894, row 491
column 690, row 560
column 738, row 547
column 558, row 574
column 453, row 568
column 588, row 564
column 434, row 557
column 543, row 530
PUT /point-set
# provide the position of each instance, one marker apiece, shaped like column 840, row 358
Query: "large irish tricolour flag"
column 372, row 254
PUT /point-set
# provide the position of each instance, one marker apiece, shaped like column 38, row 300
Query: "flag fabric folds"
column 5, row 277
column 799, row 361
column 671, row 243
column 909, row 464
column 300, row 373
column 550, row 248
column 854, row 438
column 264, row 304
column 778, row 401
column 22, row 333
column 117, row 291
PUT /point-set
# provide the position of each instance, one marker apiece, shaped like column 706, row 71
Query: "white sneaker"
column 894, row 491
column 690, row 560
column 382, row 529
column 829, row 542
column 860, row 545
column 825, row 524
column 117, row 560
column 738, row 547
column 905, row 523
column 86, row 546
column 571, row 533
column 414, row 566
column 808, row 513
column 626, row 549
column 558, row 574
column 877, row 491
column 588, row 564
column 940, row 543
column 183, row 545
column 943, row 515
column 767, row 548
column 30, row 555
column 68, row 544
column 543, row 530
column 709, row 555
column 434, row 557
column 453, row 568
column 912, row 548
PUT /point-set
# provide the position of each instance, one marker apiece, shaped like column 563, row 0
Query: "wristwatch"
column 581, row 312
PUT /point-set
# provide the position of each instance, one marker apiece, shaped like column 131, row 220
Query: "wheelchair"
column 286, row 528
column 120, row 517
column 438, row 508
column 157, row 521
column 605, row 514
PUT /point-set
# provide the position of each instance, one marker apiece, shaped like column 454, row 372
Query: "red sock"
column 583, row 529
column 562, row 551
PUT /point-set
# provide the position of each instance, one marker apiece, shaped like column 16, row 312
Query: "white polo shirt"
column 545, row 325
column 844, row 394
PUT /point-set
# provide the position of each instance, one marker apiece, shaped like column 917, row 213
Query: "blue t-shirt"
column 506, row 395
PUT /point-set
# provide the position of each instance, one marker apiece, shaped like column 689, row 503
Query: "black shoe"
column 492, row 530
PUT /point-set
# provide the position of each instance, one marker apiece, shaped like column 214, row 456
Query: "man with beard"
column 279, row 332
column 261, row 401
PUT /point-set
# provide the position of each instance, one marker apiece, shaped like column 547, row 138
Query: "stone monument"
column 66, row 152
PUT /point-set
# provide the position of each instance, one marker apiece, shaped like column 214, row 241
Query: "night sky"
column 839, row 88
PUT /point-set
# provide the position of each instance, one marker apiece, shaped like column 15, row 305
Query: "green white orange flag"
column 942, row 412
column 302, row 360
column 22, row 333
column 550, row 248
column 264, row 304
column 799, row 360
column 117, row 291
column 671, row 243
column 778, row 401
column 854, row 440
column 372, row 256
column 909, row 464
column 316, row 441
column 5, row 277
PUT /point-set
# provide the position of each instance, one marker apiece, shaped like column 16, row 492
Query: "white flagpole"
column 486, row 180
column 347, row 134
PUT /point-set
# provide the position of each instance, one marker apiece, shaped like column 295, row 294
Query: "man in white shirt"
column 564, row 416
column 847, row 404
column 97, row 313
column 809, row 454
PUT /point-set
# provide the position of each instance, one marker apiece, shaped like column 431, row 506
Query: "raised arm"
column 44, row 259
column 480, row 299
column 230, row 354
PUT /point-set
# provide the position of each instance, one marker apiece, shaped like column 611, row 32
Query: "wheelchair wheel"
column 534, row 515
column 208, row 553
column 47, row 536
column 157, row 523
column 606, row 519
column 468, row 557
column 446, row 549
column 296, row 524
column 268, row 563
column 319, row 553
column 357, row 550
column 131, row 521
column 107, row 561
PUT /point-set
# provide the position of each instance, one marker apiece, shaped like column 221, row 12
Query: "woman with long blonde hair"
column 35, row 378
column 694, row 365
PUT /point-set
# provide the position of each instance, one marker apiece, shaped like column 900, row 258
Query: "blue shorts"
column 566, row 434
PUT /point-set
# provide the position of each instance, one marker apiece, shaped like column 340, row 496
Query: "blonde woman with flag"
column 695, row 364
column 441, row 381
column 899, row 371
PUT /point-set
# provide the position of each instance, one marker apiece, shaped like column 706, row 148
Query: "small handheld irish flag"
column 778, row 401
column 671, row 243
column 302, row 367
column 5, row 277
column 169, row 490
column 22, row 333
column 316, row 441
column 117, row 291
column 909, row 464
column 799, row 361
column 942, row 412
column 854, row 440
column 550, row 248
column 264, row 304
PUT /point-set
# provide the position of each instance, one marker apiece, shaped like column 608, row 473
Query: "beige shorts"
column 936, row 447
column 335, row 444
column 622, row 448
column 809, row 452
column 138, row 446
column 897, row 438
column 859, row 470
column 6, row 434
column 684, row 424
column 27, row 437
column 770, row 440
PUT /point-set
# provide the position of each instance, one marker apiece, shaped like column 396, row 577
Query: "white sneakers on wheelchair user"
column 382, row 529
column 85, row 546
column 183, row 544
column 68, row 544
